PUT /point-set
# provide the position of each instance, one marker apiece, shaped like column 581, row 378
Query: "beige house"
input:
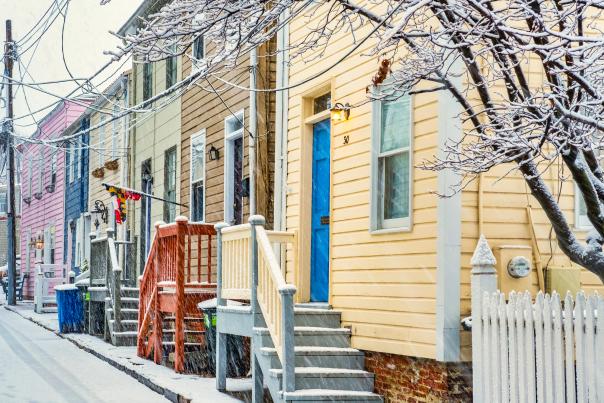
column 155, row 137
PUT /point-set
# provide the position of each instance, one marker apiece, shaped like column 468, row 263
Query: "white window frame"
column 196, row 137
column 114, row 131
column 101, row 152
column 53, row 168
column 229, row 172
column 78, row 159
column 31, row 177
column 70, row 151
column 195, row 42
column 377, row 223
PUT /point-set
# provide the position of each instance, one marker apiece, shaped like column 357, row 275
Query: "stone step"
column 310, row 336
column 330, row 378
column 329, row 357
column 332, row 395
column 129, row 302
column 127, row 338
column 316, row 317
column 127, row 313
column 127, row 325
column 129, row 292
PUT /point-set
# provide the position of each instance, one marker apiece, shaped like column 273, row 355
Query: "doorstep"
column 178, row 388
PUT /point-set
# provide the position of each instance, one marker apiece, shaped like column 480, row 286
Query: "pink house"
column 42, row 194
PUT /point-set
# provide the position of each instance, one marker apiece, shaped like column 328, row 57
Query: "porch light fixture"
column 213, row 153
column 340, row 112
column 39, row 242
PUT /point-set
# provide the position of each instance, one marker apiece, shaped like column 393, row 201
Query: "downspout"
column 124, row 167
column 282, row 104
column 253, row 132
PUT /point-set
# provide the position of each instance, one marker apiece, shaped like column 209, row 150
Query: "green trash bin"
column 237, row 350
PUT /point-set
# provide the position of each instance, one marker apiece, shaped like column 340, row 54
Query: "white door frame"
column 229, row 171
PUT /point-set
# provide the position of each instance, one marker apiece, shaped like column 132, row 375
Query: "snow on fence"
column 541, row 350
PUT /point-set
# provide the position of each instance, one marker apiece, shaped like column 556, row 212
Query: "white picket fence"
column 542, row 350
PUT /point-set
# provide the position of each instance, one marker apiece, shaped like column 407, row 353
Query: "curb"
column 172, row 396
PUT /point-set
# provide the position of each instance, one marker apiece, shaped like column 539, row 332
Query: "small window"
column 322, row 103
column 41, row 174
column 391, row 165
column 101, row 149
column 234, row 125
column 198, row 177
column 199, row 48
column 581, row 219
column 170, row 184
column 53, row 169
column 30, row 176
column 147, row 81
column 171, row 66
column 78, row 160
column 115, row 131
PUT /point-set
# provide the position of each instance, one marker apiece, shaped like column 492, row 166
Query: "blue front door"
column 319, row 250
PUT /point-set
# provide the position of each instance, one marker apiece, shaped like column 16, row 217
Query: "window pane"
column 198, row 48
column 198, row 201
column 197, row 157
column 234, row 123
column 322, row 103
column 395, row 124
column 396, row 186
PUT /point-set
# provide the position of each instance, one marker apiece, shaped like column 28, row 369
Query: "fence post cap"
column 219, row 226
column 181, row 219
column 257, row 220
column 483, row 255
column 287, row 289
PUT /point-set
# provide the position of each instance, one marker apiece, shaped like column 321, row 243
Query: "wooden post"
column 221, row 348
column 179, row 332
column 39, row 290
column 484, row 279
column 254, row 221
column 158, row 322
column 287, row 330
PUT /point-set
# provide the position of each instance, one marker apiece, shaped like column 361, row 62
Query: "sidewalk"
column 176, row 387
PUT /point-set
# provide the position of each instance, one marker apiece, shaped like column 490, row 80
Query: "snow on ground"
column 187, row 387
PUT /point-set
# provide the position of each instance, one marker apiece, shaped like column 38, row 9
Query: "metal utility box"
column 515, row 268
column 563, row 279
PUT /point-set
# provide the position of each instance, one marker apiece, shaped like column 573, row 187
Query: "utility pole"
column 9, row 54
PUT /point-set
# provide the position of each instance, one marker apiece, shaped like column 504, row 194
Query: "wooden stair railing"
column 179, row 262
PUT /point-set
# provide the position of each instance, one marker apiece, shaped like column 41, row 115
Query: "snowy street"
column 38, row 366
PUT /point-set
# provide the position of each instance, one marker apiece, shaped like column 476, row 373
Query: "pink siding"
column 49, row 210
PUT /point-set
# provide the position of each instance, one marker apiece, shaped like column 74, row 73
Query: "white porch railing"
column 236, row 272
column 541, row 350
column 45, row 282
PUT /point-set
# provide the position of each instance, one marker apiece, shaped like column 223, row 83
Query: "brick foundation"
column 400, row 378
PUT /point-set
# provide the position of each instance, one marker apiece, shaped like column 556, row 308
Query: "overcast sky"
column 86, row 37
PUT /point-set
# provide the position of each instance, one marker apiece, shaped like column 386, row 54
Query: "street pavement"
column 38, row 366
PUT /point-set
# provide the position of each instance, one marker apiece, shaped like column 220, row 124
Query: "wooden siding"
column 152, row 134
column 204, row 110
column 384, row 284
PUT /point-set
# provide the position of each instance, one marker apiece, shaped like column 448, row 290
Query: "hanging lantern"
column 213, row 153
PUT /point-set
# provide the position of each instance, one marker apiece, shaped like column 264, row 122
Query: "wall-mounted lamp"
column 213, row 154
column 340, row 112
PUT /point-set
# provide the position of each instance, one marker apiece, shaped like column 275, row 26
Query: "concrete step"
column 330, row 378
column 127, row 313
column 316, row 317
column 125, row 338
column 331, row 395
column 128, row 325
column 131, row 292
column 328, row 357
column 129, row 302
column 310, row 336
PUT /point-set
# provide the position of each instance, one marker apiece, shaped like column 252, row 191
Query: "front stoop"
column 327, row 368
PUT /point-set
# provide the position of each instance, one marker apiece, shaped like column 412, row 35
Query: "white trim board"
column 448, row 241
column 229, row 137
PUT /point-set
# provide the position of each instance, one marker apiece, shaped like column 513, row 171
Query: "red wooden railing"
column 180, row 259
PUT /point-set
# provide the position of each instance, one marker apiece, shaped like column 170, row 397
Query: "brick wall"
column 409, row 379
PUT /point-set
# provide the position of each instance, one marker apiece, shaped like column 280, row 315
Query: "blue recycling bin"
column 70, row 308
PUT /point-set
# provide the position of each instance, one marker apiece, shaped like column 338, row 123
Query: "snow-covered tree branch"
column 509, row 116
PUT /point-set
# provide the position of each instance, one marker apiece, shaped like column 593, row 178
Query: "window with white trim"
column 70, row 154
column 391, row 164
column 101, row 152
column 115, row 130
column 147, row 81
column 198, row 151
column 53, row 169
column 30, row 175
column 170, row 184
column 199, row 48
column 78, row 160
